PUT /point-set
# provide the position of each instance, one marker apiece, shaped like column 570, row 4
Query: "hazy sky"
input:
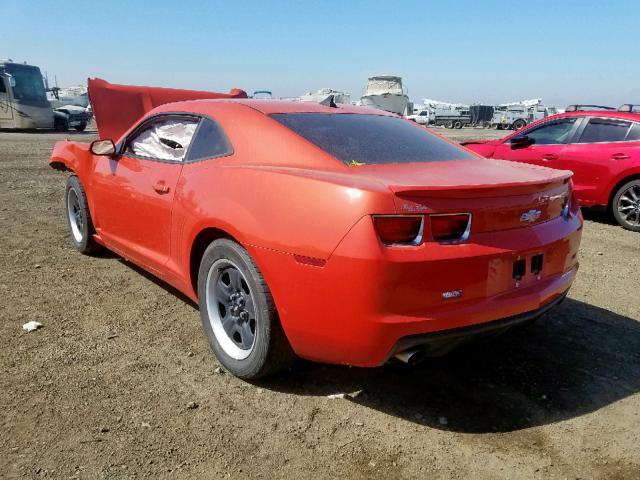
column 460, row 51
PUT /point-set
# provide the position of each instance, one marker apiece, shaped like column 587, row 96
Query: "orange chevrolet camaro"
column 330, row 232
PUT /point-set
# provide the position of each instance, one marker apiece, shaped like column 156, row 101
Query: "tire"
column 626, row 205
column 518, row 124
column 457, row 125
column 238, row 313
column 79, row 217
column 61, row 125
column 449, row 124
column 81, row 127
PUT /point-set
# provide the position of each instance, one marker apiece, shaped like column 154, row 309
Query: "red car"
column 335, row 233
column 600, row 147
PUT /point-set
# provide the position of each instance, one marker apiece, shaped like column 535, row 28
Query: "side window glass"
column 209, row 142
column 604, row 130
column 166, row 139
column 634, row 133
column 552, row 133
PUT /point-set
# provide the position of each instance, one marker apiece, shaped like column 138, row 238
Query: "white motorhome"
column 23, row 97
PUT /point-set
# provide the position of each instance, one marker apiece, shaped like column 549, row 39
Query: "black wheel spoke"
column 247, row 335
column 249, row 307
column 229, row 324
column 223, row 291
column 236, row 278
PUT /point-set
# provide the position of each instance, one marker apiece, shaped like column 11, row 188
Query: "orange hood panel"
column 118, row 107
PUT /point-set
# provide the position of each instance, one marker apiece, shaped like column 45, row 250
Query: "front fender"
column 71, row 156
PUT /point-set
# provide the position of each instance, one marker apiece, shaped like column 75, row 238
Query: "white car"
column 421, row 117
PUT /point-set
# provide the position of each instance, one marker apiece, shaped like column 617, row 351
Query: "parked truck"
column 452, row 116
column 516, row 116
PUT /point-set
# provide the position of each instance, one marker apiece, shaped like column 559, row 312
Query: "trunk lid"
column 499, row 194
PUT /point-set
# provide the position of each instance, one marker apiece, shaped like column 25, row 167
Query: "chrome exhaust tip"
column 410, row 357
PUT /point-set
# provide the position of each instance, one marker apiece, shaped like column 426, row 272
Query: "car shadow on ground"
column 150, row 276
column 599, row 215
column 575, row 360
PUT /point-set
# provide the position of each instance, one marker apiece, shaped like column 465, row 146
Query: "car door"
column 604, row 147
column 134, row 190
column 548, row 142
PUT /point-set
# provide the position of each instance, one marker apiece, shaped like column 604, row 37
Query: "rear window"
column 357, row 139
column 604, row 130
column 634, row 133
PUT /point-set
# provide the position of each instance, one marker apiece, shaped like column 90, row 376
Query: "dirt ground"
column 120, row 381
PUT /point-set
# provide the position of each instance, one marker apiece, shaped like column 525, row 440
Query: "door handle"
column 161, row 187
column 619, row 156
column 549, row 156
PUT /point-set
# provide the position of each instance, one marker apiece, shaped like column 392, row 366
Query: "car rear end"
column 455, row 266
column 471, row 246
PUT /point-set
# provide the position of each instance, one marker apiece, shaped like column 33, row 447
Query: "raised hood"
column 118, row 107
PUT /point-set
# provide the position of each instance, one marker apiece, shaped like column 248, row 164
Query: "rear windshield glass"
column 357, row 139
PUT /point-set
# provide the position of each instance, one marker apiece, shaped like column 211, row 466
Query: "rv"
column 23, row 97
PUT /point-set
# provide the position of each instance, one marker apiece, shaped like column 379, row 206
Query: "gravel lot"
column 120, row 381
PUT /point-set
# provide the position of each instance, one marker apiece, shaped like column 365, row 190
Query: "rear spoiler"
column 557, row 179
column 117, row 107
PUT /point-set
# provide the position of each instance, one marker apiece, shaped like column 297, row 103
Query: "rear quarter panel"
column 276, row 192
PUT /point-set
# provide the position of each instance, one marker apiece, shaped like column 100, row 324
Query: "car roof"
column 268, row 106
column 635, row 117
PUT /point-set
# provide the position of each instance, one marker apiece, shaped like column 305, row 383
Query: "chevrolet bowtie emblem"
column 530, row 216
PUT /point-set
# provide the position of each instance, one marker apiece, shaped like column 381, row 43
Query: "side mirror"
column 521, row 141
column 12, row 80
column 103, row 147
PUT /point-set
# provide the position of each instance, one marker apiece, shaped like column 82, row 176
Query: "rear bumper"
column 367, row 299
column 439, row 343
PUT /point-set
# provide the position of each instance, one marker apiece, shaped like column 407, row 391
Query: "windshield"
column 371, row 139
column 29, row 87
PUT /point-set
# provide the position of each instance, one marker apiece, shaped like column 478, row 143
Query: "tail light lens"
column 399, row 229
column 450, row 227
column 570, row 204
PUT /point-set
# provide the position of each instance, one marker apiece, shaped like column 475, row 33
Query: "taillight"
column 566, row 205
column 399, row 229
column 570, row 202
column 450, row 227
